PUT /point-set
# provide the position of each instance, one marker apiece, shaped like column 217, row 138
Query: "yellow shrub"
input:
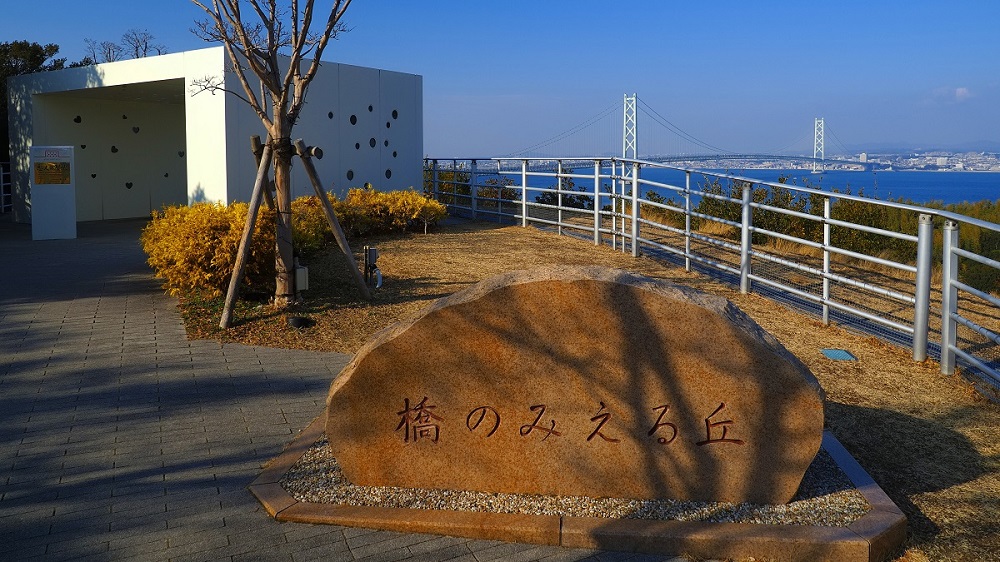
column 409, row 207
column 310, row 229
column 194, row 248
column 366, row 211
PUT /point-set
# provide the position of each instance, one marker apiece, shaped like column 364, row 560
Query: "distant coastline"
column 917, row 186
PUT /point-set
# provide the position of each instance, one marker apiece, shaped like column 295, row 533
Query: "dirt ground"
column 931, row 441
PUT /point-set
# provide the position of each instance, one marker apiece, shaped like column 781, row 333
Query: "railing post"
column 473, row 192
column 524, row 193
column 597, row 202
column 635, row 209
column 827, row 239
column 559, row 202
column 922, row 292
column 746, row 240
column 949, row 297
column 620, row 207
column 687, row 221
column 436, row 179
column 614, row 205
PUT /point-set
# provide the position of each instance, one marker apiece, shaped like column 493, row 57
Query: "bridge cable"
column 678, row 131
column 569, row 132
column 801, row 139
column 837, row 140
column 683, row 135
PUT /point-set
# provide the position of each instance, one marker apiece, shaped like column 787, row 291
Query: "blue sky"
column 744, row 76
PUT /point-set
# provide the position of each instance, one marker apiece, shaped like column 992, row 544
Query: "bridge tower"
column 819, row 150
column 630, row 129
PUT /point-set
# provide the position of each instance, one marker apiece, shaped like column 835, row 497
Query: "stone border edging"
column 875, row 536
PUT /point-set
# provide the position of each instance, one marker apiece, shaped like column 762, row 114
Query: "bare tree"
column 140, row 43
column 105, row 51
column 254, row 41
column 135, row 43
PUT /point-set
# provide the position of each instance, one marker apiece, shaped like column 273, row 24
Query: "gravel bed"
column 826, row 497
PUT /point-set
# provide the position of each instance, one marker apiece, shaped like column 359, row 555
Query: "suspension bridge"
column 713, row 221
column 601, row 133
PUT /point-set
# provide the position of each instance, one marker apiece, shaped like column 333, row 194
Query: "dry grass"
column 930, row 441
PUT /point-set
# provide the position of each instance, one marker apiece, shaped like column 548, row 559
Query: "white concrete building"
column 145, row 136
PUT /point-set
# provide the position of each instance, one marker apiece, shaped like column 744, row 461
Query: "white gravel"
column 826, row 497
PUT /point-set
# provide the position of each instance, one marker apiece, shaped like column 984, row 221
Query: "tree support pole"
column 244, row 249
column 306, row 154
column 258, row 151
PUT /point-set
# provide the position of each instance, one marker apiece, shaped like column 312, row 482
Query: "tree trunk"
column 284, row 287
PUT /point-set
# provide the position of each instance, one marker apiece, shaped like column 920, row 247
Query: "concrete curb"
column 875, row 536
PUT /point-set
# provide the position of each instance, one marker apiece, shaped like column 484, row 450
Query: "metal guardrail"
column 6, row 193
column 736, row 235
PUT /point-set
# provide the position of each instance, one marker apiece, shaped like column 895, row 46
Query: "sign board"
column 578, row 381
column 53, row 193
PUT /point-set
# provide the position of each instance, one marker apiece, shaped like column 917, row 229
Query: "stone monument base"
column 875, row 536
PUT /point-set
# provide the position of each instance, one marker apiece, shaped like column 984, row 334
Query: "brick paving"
column 120, row 439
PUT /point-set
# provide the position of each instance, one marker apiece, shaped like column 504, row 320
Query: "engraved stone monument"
column 578, row 381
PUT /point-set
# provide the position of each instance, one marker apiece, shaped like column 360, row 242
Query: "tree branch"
column 332, row 25
column 213, row 84
column 221, row 32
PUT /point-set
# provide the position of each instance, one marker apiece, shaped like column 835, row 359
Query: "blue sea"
column 919, row 187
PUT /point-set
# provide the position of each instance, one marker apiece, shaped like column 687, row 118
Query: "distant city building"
column 942, row 161
column 863, row 157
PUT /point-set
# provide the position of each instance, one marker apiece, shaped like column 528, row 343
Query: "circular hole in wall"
column 350, row 175
column 370, row 109
column 388, row 124
column 114, row 149
column 329, row 115
column 388, row 174
column 77, row 119
column 82, row 146
column 372, row 142
column 128, row 185
column 386, row 143
column 166, row 175
column 124, row 116
column 354, row 119
column 357, row 146
column 393, row 153
column 395, row 114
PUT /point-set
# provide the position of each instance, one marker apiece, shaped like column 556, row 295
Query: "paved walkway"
column 121, row 439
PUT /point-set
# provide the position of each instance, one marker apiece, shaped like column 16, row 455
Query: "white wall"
column 206, row 141
column 339, row 92
column 131, row 138
column 402, row 125
column 127, row 161
column 200, row 140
